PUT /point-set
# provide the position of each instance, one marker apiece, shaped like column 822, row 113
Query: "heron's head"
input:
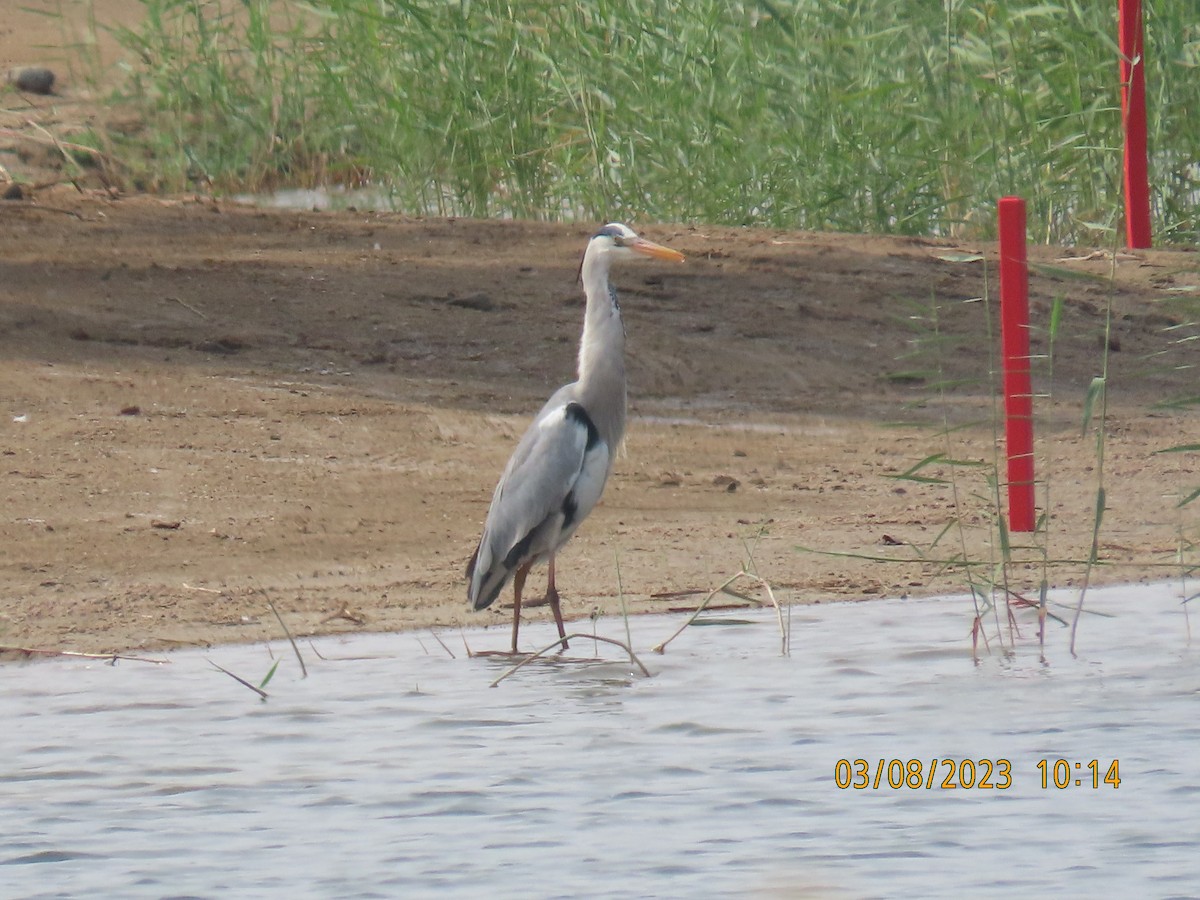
column 616, row 241
column 619, row 241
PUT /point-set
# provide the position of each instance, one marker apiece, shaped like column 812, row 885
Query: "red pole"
column 1014, row 344
column 1133, row 118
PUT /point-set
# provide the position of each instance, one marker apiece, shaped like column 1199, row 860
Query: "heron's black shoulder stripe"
column 579, row 414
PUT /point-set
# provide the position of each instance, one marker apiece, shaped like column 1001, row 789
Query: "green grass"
column 1000, row 569
column 865, row 116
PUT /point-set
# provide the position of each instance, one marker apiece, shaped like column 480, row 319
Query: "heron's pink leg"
column 518, row 586
column 552, row 599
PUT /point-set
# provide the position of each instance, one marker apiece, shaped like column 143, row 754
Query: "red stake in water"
column 1014, row 344
column 1133, row 115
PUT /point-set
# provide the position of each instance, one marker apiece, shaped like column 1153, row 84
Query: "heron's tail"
column 484, row 584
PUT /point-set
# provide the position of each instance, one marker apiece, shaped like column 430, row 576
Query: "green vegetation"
column 865, row 116
column 1001, row 569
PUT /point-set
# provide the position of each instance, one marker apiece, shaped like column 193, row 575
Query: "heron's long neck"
column 602, row 356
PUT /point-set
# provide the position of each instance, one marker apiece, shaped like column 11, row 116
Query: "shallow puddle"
column 393, row 769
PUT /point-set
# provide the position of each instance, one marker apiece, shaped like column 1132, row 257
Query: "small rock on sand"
column 32, row 79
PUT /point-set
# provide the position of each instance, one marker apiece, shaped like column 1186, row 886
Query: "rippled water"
column 393, row 770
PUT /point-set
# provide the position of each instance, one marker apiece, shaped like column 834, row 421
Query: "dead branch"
column 662, row 648
column 110, row 657
column 562, row 641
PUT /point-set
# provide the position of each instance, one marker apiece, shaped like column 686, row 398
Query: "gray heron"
column 558, row 470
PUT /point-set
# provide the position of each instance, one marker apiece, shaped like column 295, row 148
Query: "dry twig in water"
column 662, row 648
column 112, row 658
column 563, row 640
column 785, row 637
column 443, row 643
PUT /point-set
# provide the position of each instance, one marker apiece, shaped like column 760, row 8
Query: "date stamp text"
column 970, row 774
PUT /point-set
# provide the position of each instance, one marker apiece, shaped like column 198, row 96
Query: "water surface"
column 393, row 770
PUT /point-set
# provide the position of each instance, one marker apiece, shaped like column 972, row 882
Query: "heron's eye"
column 612, row 234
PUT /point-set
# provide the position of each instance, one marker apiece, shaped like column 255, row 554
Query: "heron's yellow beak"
column 658, row 251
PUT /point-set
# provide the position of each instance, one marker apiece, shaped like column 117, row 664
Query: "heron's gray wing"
column 553, row 479
column 533, row 440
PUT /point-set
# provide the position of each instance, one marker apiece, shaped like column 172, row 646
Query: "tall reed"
column 867, row 116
